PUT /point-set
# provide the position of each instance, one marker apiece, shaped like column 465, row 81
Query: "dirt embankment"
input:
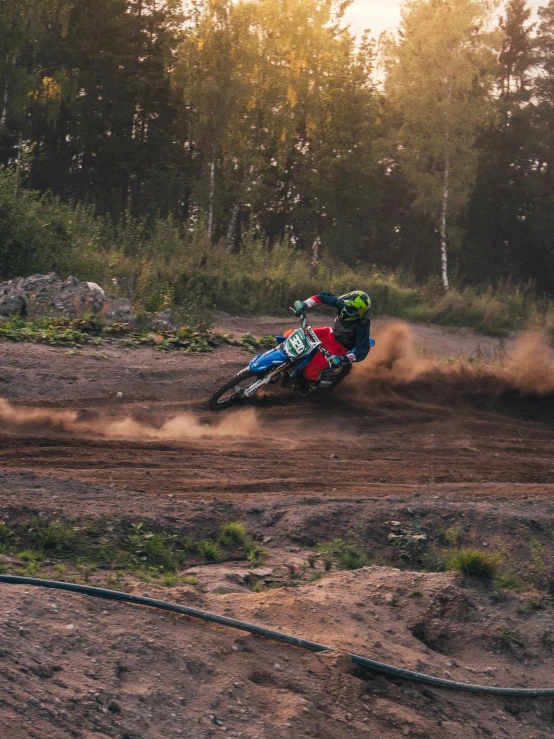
column 408, row 437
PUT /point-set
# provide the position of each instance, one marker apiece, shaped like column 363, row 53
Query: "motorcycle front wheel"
column 232, row 393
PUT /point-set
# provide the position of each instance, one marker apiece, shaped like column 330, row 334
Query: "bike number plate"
column 298, row 344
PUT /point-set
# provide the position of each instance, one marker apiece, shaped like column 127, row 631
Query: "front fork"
column 250, row 391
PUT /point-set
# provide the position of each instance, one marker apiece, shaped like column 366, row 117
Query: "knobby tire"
column 215, row 404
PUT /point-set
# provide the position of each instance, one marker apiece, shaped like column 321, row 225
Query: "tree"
column 102, row 117
column 542, row 143
column 282, row 118
column 440, row 73
column 21, row 31
column 499, row 240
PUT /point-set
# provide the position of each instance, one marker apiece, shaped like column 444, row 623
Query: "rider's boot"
column 305, row 387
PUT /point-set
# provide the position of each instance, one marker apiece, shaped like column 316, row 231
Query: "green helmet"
column 356, row 305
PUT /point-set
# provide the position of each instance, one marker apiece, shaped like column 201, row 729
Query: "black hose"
column 370, row 664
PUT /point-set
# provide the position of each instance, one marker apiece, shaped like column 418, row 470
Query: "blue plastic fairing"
column 267, row 360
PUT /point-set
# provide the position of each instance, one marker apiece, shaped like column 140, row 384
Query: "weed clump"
column 209, row 550
column 170, row 580
column 255, row 553
column 345, row 556
column 474, row 563
column 314, row 576
column 5, row 533
column 233, row 532
column 154, row 549
column 509, row 639
column 351, row 558
column 56, row 536
column 410, row 545
column 450, row 537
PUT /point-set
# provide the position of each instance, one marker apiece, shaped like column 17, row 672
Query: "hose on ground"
column 370, row 664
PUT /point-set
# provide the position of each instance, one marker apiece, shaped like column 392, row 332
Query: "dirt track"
column 407, row 436
column 442, row 431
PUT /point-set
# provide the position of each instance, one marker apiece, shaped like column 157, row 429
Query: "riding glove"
column 334, row 361
column 299, row 307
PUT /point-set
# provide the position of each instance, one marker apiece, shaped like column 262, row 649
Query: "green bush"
column 38, row 233
column 474, row 563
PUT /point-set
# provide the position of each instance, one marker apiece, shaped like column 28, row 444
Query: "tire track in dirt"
column 400, row 423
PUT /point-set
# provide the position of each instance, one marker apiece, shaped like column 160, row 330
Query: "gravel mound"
column 49, row 294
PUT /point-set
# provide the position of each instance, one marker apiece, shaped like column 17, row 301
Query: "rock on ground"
column 49, row 294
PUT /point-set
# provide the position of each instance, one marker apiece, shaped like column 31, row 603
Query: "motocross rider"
column 347, row 340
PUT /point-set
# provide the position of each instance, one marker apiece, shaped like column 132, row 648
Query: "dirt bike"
column 282, row 364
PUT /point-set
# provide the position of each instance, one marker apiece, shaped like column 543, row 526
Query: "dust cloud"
column 394, row 366
column 182, row 426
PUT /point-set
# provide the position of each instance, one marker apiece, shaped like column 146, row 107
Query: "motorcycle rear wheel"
column 333, row 379
column 223, row 398
column 342, row 375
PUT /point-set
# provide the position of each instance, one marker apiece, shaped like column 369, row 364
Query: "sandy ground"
column 409, row 435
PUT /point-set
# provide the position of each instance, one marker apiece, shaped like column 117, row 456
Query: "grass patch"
column 209, row 550
column 150, row 554
column 351, row 558
column 510, row 581
column 28, row 555
column 530, row 608
column 235, row 533
column 474, row 563
column 169, row 580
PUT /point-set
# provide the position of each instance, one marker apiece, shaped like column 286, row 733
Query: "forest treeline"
column 268, row 122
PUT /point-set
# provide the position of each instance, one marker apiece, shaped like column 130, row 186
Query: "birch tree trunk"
column 4, row 116
column 18, row 163
column 233, row 224
column 444, row 211
column 211, row 197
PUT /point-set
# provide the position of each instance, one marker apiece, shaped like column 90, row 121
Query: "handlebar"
column 307, row 326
